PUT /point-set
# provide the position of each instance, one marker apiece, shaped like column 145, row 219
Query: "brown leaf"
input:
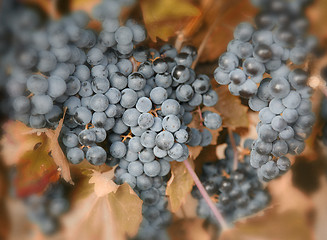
column 83, row 5
column 188, row 229
column 57, row 153
column 225, row 15
column 109, row 216
column 103, row 183
column 179, row 185
column 208, row 154
column 35, row 171
column 233, row 113
column 16, row 140
column 126, row 209
column 289, row 225
column 163, row 18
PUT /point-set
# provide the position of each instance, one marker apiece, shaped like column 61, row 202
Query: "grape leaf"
column 233, row 113
column 190, row 229
column 105, row 214
column 103, row 183
column 20, row 139
column 126, row 209
column 289, row 225
column 220, row 20
column 83, row 5
column 35, row 171
column 163, row 18
column 57, row 153
column 179, row 185
column 51, row 7
column 16, row 140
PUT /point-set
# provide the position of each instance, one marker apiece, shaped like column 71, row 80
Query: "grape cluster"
column 125, row 104
column 283, row 97
column 280, row 36
column 45, row 210
column 239, row 193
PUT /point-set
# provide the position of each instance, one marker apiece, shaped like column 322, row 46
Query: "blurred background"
column 297, row 206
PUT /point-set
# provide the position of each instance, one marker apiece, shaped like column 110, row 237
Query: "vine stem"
column 232, row 140
column 206, row 197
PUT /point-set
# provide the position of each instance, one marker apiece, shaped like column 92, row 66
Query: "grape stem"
column 232, row 140
column 206, row 197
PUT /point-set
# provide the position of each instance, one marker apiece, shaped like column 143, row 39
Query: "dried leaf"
column 225, row 15
column 57, row 153
column 126, row 209
column 35, row 171
column 103, row 183
column 194, row 151
column 179, row 185
column 163, row 18
column 190, row 229
column 208, row 154
column 16, row 140
column 289, row 225
column 233, row 113
column 83, row 5
column 111, row 213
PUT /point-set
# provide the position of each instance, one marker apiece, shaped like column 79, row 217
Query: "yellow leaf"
column 179, row 185
column 126, row 209
column 111, row 216
column 163, row 18
column 103, row 183
column 233, row 113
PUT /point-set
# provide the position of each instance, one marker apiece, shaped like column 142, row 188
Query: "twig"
column 232, row 141
column 206, row 197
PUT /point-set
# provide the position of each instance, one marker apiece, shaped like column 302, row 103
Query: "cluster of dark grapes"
column 44, row 210
column 283, row 98
column 239, row 193
column 125, row 104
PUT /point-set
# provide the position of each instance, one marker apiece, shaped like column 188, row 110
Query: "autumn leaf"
column 209, row 154
column 126, row 209
column 220, row 21
column 103, row 183
column 272, row 225
column 84, row 5
column 163, row 18
column 35, row 171
column 190, row 229
column 17, row 140
column 179, row 185
column 57, row 153
column 109, row 213
column 233, row 113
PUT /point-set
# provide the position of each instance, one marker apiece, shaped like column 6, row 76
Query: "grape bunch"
column 260, row 57
column 239, row 193
column 44, row 210
column 125, row 104
column 278, row 37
